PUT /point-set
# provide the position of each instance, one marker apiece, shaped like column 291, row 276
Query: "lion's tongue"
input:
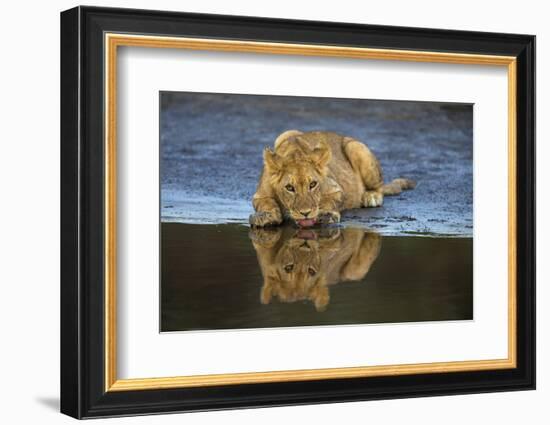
column 307, row 222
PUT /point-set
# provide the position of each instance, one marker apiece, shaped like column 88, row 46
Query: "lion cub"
column 301, row 264
column 311, row 177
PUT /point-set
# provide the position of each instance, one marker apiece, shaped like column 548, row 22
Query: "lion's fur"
column 300, row 265
column 345, row 172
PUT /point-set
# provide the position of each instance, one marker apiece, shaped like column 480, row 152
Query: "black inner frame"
column 82, row 212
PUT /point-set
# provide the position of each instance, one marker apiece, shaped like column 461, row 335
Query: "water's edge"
column 399, row 216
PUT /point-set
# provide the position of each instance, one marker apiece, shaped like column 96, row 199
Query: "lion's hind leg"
column 375, row 198
column 367, row 166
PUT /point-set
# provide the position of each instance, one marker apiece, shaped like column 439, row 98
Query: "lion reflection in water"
column 300, row 264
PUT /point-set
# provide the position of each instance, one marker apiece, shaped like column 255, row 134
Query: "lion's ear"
column 272, row 161
column 322, row 155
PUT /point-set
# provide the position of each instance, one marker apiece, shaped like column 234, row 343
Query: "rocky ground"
column 211, row 156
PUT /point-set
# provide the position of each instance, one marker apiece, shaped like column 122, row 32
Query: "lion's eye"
column 289, row 268
column 289, row 187
column 312, row 184
column 311, row 271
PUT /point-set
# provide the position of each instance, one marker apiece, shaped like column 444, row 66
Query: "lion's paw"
column 328, row 217
column 372, row 199
column 263, row 219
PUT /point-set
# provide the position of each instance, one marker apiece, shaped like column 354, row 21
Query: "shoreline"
column 343, row 225
column 399, row 216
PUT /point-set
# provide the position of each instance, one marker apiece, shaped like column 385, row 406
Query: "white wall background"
column 29, row 212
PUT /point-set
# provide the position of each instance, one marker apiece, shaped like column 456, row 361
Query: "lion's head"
column 296, row 273
column 297, row 179
column 300, row 264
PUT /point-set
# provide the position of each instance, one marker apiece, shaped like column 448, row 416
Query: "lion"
column 309, row 178
column 300, row 264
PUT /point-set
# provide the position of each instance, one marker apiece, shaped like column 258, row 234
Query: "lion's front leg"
column 328, row 217
column 373, row 198
column 267, row 213
column 329, row 208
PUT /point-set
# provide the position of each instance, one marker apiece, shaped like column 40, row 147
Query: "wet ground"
column 228, row 277
column 211, row 156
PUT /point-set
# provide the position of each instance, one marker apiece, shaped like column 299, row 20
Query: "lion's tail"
column 283, row 136
column 397, row 186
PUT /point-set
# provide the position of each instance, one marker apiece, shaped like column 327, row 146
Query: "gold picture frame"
column 114, row 41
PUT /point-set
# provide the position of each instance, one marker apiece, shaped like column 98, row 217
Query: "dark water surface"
column 229, row 277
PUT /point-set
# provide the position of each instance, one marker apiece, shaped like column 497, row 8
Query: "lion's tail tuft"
column 396, row 186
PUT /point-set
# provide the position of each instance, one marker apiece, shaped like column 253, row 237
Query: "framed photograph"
column 261, row 212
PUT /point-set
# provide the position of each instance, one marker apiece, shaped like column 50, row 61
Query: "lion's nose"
column 305, row 213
